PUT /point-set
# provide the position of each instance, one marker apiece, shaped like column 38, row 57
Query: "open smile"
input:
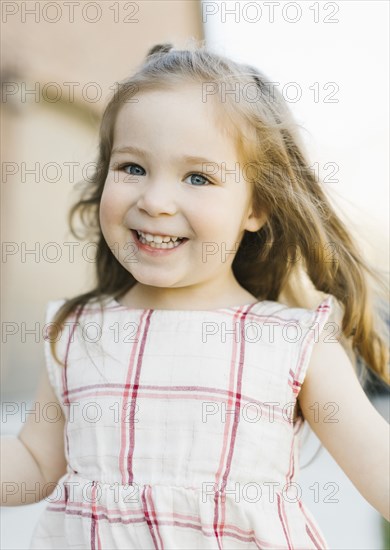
column 155, row 248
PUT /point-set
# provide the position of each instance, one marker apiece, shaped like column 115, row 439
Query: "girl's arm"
column 33, row 461
column 356, row 435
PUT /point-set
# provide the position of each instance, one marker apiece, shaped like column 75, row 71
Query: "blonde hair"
column 301, row 224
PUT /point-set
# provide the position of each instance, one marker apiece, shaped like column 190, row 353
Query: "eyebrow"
column 142, row 153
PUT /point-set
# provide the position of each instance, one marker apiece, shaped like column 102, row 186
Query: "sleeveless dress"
column 179, row 428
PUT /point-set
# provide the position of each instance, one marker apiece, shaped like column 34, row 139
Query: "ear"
column 254, row 222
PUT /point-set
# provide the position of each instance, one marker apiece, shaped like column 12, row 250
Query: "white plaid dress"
column 179, row 428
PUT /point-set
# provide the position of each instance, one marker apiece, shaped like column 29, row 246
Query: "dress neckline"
column 115, row 303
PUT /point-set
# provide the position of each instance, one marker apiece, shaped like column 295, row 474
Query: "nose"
column 157, row 197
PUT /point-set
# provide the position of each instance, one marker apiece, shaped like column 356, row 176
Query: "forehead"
column 179, row 116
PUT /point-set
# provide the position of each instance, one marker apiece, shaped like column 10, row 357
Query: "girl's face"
column 156, row 185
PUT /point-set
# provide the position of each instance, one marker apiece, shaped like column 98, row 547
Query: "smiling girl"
column 203, row 204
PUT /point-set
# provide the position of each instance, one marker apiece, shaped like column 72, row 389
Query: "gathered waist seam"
column 276, row 486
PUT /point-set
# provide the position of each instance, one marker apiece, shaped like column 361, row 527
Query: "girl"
column 184, row 377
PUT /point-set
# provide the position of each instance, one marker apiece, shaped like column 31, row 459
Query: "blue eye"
column 131, row 169
column 131, row 165
column 201, row 178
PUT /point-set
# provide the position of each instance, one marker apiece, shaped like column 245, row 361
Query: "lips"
column 157, row 250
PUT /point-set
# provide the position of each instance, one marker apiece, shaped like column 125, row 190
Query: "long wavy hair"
column 302, row 227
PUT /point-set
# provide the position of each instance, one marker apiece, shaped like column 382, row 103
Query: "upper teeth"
column 157, row 238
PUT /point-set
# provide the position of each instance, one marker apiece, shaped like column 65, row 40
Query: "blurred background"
column 60, row 62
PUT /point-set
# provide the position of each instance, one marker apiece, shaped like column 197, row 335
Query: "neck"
column 194, row 297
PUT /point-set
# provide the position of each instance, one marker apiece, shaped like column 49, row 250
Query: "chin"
column 158, row 281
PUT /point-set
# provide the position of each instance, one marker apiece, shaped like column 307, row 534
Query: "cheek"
column 104, row 209
column 110, row 209
column 111, row 202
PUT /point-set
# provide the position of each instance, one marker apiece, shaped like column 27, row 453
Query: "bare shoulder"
column 333, row 401
column 330, row 378
column 338, row 410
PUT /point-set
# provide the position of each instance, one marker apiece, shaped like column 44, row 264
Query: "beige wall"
column 34, row 213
